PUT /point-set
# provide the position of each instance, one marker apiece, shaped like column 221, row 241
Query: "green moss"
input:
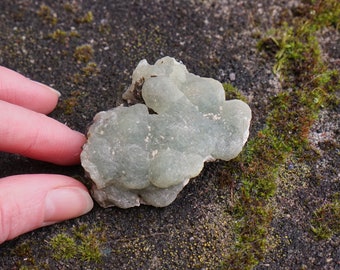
column 90, row 240
column 326, row 13
column 84, row 53
column 308, row 86
column 64, row 246
column 24, row 250
column 77, row 78
column 59, row 35
column 91, row 69
column 82, row 243
column 104, row 28
column 25, row 258
column 71, row 7
column 69, row 104
column 87, row 18
column 326, row 220
column 232, row 92
column 63, row 36
column 47, row 15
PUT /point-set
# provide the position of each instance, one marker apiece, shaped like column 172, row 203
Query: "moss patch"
column 326, row 220
column 82, row 243
column 87, row 18
column 84, row 53
column 69, row 104
column 308, row 86
column 63, row 36
column 47, row 15
column 232, row 92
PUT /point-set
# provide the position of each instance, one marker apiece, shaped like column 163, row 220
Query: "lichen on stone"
column 146, row 153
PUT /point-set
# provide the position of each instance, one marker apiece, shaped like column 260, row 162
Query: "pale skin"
column 30, row 201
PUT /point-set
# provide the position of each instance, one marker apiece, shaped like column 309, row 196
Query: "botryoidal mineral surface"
column 146, row 153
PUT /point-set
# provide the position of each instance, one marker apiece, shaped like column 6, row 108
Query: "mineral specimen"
column 146, row 153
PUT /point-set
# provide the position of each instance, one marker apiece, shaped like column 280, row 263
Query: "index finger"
column 19, row 90
column 37, row 136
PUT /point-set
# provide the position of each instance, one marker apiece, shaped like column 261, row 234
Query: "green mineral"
column 146, row 153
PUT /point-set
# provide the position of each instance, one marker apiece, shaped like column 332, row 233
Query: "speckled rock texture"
column 88, row 49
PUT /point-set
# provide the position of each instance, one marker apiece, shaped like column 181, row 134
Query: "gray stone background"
column 212, row 38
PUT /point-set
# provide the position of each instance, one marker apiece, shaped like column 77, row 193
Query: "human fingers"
column 17, row 89
column 28, row 202
column 37, row 136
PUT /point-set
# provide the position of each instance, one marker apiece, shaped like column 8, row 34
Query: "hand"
column 31, row 201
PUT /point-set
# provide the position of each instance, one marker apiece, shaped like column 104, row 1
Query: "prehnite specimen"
column 146, row 153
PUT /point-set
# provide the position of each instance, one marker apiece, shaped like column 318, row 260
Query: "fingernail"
column 49, row 88
column 66, row 203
